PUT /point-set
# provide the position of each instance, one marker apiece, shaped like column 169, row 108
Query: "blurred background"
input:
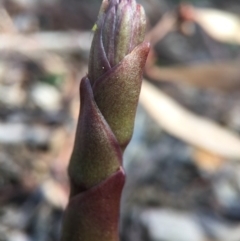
column 183, row 169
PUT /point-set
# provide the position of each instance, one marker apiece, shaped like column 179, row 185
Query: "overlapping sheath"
column 109, row 96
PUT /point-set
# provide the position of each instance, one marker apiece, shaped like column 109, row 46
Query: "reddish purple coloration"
column 93, row 215
column 96, row 153
column 109, row 96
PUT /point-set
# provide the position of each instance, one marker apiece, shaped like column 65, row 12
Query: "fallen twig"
column 46, row 41
column 223, row 75
column 193, row 129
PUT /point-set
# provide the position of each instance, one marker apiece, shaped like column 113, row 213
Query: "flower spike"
column 109, row 96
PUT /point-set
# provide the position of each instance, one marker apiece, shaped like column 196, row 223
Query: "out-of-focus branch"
column 220, row 25
column 224, row 76
column 193, row 129
column 165, row 25
column 46, row 41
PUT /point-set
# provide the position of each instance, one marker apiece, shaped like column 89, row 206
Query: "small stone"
column 47, row 97
column 169, row 225
column 12, row 95
column 15, row 218
column 17, row 236
column 15, row 133
column 54, row 194
column 26, row 22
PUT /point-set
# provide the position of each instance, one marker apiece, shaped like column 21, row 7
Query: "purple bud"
column 120, row 28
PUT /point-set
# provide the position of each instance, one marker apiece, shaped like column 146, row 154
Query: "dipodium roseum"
column 109, row 96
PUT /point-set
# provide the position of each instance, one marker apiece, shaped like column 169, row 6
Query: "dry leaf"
column 223, row 75
column 46, row 41
column 193, row 129
column 207, row 161
column 220, row 25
